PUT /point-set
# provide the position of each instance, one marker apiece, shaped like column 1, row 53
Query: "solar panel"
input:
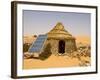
column 38, row 44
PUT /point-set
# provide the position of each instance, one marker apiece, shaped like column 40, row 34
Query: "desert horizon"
column 29, row 38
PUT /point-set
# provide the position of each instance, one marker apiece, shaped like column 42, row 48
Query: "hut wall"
column 70, row 45
column 54, row 45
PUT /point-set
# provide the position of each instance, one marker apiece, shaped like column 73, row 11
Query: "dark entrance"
column 61, row 47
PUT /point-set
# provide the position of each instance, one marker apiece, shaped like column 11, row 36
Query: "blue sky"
column 41, row 22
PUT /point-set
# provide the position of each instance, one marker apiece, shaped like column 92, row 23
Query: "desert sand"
column 29, row 38
column 53, row 61
column 59, row 61
column 83, row 39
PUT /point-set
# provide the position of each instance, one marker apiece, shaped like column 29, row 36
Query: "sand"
column 29, row 38
column 58, row 61
column 54, row 61
column 83, row 39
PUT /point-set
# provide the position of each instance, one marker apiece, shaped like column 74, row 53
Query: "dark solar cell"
column 37, row 45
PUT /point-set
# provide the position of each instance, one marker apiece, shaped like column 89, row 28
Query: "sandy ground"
column 83, row 39
column 53, row 61
column 58, row 61
column 29, row 38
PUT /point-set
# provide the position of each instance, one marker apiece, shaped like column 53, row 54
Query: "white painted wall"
column 5, row 40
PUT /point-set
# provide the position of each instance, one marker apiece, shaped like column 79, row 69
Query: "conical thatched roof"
column 58, row 32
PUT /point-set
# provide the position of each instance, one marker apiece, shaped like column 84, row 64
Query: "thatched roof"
column 58, row 32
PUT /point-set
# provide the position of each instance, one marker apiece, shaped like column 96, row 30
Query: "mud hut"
column 60, row 40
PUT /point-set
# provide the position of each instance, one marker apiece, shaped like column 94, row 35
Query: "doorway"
column 61, row 48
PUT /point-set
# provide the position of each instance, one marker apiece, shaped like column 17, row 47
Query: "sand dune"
column 83, row 39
